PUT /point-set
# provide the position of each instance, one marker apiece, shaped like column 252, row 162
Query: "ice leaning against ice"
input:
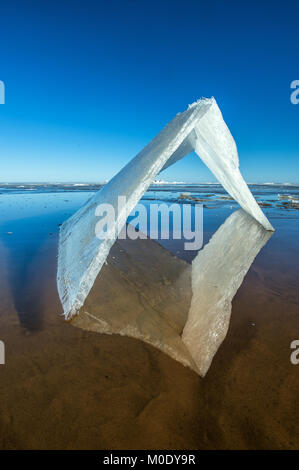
column 201, row 128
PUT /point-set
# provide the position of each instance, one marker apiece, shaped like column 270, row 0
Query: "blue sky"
column 88, row 84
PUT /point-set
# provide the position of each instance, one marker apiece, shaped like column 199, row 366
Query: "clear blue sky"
column 89, row 83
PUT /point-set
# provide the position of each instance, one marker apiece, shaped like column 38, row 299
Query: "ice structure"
column 217, row 273
column 186, row 317
column 201, row 128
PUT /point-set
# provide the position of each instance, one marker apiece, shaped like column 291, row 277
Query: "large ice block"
column 201, row 128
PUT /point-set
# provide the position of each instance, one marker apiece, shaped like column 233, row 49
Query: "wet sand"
column 66, row 388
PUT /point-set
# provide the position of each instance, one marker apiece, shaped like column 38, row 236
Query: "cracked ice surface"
column 201, row 128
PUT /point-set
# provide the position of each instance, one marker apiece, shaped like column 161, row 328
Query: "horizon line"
column 83, row 183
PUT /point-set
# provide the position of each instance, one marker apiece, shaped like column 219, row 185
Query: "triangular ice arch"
column 200, row 128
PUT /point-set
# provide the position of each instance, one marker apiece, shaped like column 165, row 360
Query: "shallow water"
column 49, row 398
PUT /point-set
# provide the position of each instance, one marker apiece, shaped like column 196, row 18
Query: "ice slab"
column 144, row 292
column 201, row 127
column 217, row 273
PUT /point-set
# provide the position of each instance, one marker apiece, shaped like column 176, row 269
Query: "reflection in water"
column 153, row 288
column 217, row 273
column 28, row 231
column 25, row 283
column 158, row 312
column 26, row 255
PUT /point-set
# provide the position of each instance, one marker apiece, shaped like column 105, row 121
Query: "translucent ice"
column 217, row 272
column 155, row 302
column 201, row 128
